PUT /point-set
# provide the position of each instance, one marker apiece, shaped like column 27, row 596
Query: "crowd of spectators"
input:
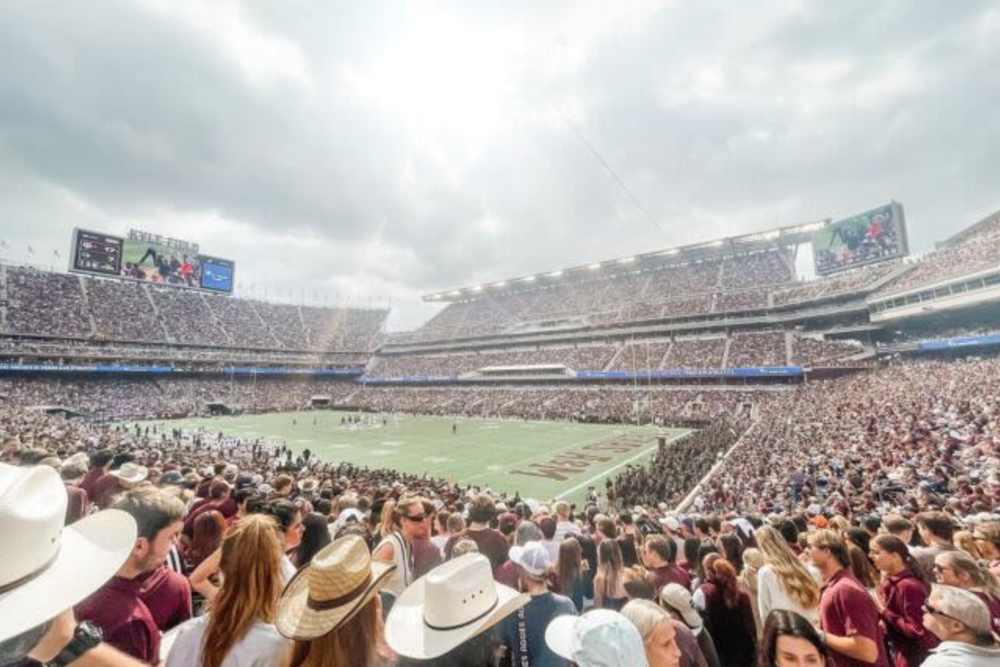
column 858, row 280
column 973, row 254
column 757, row 349
column 917, row 435
column 616, row 295
column 55, row 304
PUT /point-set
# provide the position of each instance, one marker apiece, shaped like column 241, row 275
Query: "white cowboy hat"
column 130, row 474
column 336, row 585
column 452, row 603
column 45, row 568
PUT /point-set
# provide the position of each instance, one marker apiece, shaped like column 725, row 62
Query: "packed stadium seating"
column 975, row 253
column 47, row 303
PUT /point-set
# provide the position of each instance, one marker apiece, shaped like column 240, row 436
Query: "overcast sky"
column 368, row 150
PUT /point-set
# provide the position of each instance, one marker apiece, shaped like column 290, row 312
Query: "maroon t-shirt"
column 167, row 595
column 845, row 610
column 128, row 625
column 104, row 491
column 88, row 481
column 76, row 504
column 993, row 604
column 491, row 543
column 669, row 574
column 910, row 641
column 426, row 557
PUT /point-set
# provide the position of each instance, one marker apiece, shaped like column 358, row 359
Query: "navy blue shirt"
column 524, row 631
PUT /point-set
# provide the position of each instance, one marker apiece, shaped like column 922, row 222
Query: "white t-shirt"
column 771, row 595
column 287, row 569
column 262, row 646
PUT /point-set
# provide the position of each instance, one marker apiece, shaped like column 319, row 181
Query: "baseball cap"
column 599, row 638
column 533, row 558
column 678, row 598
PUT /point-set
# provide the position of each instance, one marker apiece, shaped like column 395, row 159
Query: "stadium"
column 773, row 443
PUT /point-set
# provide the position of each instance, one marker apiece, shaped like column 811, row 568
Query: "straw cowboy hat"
column 336, row 585
column 44, row 567
column 452, row 603
column 130, row 474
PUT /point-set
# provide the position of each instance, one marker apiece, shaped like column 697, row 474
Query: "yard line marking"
column 616, row 467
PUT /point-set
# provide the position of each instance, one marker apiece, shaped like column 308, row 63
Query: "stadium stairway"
column 789, row 347
column 156, row 313
column 3, row 297
column 613, row 360
column 86, row 304
column 725, row 353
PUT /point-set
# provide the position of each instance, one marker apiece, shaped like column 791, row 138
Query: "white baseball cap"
column 533, row 558
column 599, row 638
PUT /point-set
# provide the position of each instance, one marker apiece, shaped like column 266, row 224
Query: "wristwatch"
column 85, row 637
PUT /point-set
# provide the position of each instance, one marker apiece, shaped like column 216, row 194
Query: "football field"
column 542, row 460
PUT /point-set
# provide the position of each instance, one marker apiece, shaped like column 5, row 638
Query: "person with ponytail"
column 784, row 582
column 900, row 598
column 957, row 568
column 727, row 612
column 239, row 629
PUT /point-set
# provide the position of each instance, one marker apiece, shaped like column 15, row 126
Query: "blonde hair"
column 356, row 642
column 792, row 574
column 645, row 615
column 388, row 521
column 963, row 540
column 839, row 523
column 251, row 584
column 982, row 579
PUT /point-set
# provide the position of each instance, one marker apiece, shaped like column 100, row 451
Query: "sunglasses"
column 415, row 519
column 928, row 609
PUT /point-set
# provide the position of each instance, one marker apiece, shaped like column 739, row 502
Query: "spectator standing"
column 239, row 630
column 987, row 538
column 848, row 617
column 524, row 631
column 659, row 555
column 491, row 542
column 426, row 625
column 790, row 640
column 752, row 562
column 956, row 568
column 568, row 574
column 676, row 600
column 900, row 600
column 331, row 608
column 599, row 638
column 117, row 607
column 727, row 614
column 315, row 536
column 936, row 530
column 961, row 621
column 397, row 547
column 784, row 581
column 609, row 581
column 659, row 637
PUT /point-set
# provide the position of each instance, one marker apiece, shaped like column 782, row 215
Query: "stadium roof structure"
column 679, row 255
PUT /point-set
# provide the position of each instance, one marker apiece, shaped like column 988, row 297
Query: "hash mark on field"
column 437, row 459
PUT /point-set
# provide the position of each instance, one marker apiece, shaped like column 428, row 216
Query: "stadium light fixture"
column 626, row 260
column 477, row 288
column 594, row 267
column 528, row 279
column 500, row 284
column 555, row 274
column 672, row 251
column 456, row 293
column 716, row 243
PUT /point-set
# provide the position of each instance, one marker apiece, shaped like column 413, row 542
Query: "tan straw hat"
column 338, row 582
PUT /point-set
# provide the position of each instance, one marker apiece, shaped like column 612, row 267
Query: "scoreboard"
column 157, row 260
column 97, row 253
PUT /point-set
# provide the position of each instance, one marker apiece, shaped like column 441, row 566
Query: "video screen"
column 870, row 237
column 160, row 264
column 217, row 274
column 97, row 253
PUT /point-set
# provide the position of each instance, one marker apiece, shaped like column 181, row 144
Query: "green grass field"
column 542, row 460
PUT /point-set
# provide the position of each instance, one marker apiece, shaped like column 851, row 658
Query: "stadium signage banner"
column 162, row 370
column 873, row 236
column 150, row 258
column 766, row 371
column 963, row 341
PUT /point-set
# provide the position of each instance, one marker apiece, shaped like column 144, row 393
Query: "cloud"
column 383, row 151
